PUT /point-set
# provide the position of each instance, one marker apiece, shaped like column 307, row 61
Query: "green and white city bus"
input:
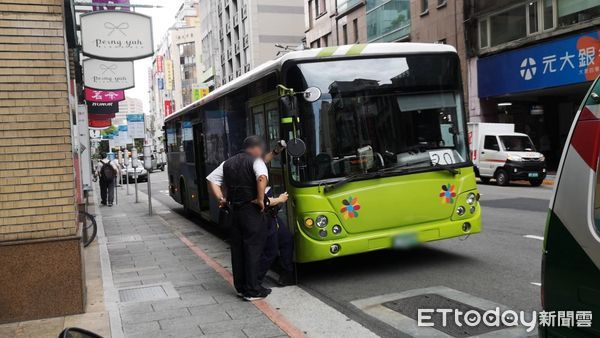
column 378, row 155
column 571, row 257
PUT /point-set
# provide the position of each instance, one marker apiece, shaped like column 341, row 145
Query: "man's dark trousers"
column 248, row 236
column 110, row 190
column 102, row 190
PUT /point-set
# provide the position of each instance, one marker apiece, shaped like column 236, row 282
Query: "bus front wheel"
column 183, row 196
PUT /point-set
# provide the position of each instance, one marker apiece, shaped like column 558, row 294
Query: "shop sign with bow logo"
column 108, row 75
column 116, row 35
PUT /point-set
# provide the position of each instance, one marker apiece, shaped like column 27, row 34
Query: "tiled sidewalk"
column 160, row 287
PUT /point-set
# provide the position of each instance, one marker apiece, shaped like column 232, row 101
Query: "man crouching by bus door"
column 239, row 183
column 280, row 242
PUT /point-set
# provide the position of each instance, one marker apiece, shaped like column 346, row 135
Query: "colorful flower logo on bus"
column 350, row 207
column 448, row 193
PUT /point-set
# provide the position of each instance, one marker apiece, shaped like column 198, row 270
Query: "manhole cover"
column 142, row 294
column 409, row 307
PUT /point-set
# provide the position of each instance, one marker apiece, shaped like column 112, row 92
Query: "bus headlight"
column 471, row 198
column 336, row 229
column 322, row 221
column 334, row 248
column 309, row 223
column 461, row 210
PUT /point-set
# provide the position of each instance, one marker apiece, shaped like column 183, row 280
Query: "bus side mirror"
column 296, row 147
column 312, row 94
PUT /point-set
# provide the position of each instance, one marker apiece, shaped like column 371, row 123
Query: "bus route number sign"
column 442, row 157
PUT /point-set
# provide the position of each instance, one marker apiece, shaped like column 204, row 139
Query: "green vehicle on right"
column 571, row 256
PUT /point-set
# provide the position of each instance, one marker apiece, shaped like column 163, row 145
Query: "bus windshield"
column 392, row 114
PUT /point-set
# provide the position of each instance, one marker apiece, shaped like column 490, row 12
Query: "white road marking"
column 166, row 192
column 536, row 284
column 534, row 237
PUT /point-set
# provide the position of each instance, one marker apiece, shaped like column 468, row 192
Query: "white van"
column 500, row 153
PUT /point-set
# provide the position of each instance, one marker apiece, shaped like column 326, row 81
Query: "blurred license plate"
column 534, row 175
column 405, row 241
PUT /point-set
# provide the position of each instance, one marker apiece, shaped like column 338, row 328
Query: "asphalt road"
column 501, row 264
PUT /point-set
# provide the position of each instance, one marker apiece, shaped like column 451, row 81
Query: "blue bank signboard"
column 565, row 61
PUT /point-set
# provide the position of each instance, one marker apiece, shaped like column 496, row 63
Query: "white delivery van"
column 500, row 153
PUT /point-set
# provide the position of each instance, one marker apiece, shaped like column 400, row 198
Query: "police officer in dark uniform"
column 239, row 184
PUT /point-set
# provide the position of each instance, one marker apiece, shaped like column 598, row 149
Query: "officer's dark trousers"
column 248, row 235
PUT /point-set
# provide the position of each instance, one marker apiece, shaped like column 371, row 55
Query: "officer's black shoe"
column 262, row 294
column 286, row 279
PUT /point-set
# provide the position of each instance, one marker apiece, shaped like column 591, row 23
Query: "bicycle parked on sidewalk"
column 89, row 227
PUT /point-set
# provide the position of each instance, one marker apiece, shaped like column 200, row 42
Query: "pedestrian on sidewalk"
column 239, row 184
column 107, row 171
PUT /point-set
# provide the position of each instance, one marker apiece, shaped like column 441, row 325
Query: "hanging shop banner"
column 101, row 116
column 159, row 64
column 168, row 108
column 108, row 75
column 100, row 123
column 558, row 62
column 111, row 5
column 199, row 93
column 135, row 123
column 103, row 107
column 123, row 137
column 93, row 95
column 169, row 75
column 114, row 35
column 160, row 83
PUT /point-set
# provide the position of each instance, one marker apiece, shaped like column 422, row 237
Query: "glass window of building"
column 508, row 26
column 355, row 28
column 532, row 13
column 548, row 13
column 344, row 5
column 483, row 34
column 516, row 22
column 345, row 34
column 320, row 7
column 388, row 21
column 424, row 6
column 573, row 11
column 441, row 3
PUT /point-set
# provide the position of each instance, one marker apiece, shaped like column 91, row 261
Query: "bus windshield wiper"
column 351, row 179
column 449, row 169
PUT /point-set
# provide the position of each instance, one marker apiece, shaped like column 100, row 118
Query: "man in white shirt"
column 107, row 170
column 239, row 184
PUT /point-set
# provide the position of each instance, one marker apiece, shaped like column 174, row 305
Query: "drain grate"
column 142, row 294
column 409, row 307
